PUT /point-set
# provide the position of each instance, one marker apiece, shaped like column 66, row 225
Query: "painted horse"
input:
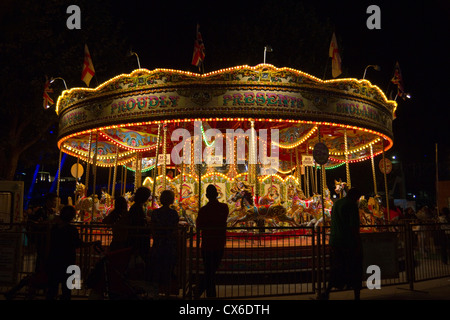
column 189, row 209
column 250, row 212
column 297, row 208
column 317, row 215
column 88, row 208
column 341, row 188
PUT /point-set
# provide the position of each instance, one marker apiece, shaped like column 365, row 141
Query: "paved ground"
column 438, row 289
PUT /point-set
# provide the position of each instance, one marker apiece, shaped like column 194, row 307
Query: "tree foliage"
column 35, row 44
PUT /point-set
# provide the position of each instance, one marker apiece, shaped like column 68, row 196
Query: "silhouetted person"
column 64, row 241
column 138, row 235
column 345, row 244
column 39, row 226
column 120, row 208
column 164, row 222
column 120, row 221
column 211, row 223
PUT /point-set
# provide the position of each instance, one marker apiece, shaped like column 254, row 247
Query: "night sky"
column 414, row 33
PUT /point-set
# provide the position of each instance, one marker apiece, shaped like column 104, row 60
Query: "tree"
column 35, row 43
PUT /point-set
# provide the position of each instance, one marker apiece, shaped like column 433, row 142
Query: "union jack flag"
column 48, row 101
column 199, row 50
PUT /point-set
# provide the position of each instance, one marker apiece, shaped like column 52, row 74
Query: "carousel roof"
column 123, row 115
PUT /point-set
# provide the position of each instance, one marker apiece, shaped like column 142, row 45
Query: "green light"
column 204, row 138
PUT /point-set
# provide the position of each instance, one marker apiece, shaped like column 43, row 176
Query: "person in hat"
column 211, row 224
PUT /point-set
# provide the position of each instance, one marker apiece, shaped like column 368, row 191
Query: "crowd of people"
column 132, row 228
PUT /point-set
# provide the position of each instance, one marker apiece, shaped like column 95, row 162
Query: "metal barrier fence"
column 256, row 262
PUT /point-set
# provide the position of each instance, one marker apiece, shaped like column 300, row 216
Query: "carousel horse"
column 189, row 208
column 341, row 188
column 315, row 210
column 88, row 208
column 297, row 207
column 238, row 209
column 365, row 215
column 106, row 203
column 251, row 212
column 374, row 205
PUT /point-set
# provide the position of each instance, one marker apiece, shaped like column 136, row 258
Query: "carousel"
column 256, row 133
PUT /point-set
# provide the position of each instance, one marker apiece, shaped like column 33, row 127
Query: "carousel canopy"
column 122, row 116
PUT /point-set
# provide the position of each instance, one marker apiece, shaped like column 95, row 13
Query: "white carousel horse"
column 315, row 209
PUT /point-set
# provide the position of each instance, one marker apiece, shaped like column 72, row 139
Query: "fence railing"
column 256, row 262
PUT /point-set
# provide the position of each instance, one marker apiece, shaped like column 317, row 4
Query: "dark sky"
column 414, row 33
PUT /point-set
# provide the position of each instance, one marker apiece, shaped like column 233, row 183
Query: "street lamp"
column 267, row 49
column 407, row 96
column 131, row 53
column 59, row 78
column 376, row 67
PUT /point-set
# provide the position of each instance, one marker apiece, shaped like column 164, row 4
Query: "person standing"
column 38, row 225
column 64, row 241
column 211, row 223
column 345, row 244
column 119, row 220
column 138, row 236
column 164, row 223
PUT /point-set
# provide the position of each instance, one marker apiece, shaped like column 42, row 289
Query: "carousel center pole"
column 372, row 160
column 94, row 168
column 137, row 172
column 198, row 153
column 156, row 165
column 347, row 168
column 386, row 190
column 322, row 176
column 77, row 178
column 88, row 165
column 182, row 170
column 298, row 169
column 252, row 159
column 164, row 150
column 113, row 186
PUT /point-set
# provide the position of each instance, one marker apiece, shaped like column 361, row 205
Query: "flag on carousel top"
column 88, row 67
column 48, row 101
column 333, row 52
column 398, row 80
column 199, row 50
